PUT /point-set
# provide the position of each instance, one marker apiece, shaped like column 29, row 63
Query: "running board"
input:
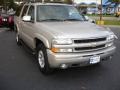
column 28, row 49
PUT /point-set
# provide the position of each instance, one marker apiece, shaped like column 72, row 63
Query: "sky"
column 104, row 1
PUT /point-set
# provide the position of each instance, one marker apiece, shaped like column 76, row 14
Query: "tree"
column 114, row 1
column 68, row 1
column 1, row 2
column 7, row 4
column 11, row 4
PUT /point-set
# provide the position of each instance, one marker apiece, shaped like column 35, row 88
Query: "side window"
column 31, row 12
column 24, row 10
column 18, row 10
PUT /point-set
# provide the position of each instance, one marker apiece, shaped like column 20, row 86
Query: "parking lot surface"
column 19, row 70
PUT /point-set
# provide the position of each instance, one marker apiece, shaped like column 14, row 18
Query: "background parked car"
column 7, row 20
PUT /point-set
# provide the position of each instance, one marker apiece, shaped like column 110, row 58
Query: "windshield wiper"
column 51, row 19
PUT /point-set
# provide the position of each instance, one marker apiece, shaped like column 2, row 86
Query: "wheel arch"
column 44, row 41
column 16, row 26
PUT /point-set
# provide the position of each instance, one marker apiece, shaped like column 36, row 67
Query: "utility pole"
column 100, row 22
column 96, row 7
column 101, row 11
column 43, row 1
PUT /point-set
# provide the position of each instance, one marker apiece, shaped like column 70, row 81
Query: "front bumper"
column 83, row 59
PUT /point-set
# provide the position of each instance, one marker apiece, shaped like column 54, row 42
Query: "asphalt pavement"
column 19, row 70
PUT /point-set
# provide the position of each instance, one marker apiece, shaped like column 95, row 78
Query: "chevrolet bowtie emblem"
column 93, row 44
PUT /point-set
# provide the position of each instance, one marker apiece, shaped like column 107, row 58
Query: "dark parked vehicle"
column 6, row 20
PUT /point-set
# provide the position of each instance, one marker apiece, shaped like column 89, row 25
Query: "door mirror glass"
column 86, row 18
column 26, row 18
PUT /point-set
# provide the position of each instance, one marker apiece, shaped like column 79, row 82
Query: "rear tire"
column 43, row 59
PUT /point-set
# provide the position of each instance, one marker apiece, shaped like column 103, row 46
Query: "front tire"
column 43, row 59
column 15, row 28
column 18, row 40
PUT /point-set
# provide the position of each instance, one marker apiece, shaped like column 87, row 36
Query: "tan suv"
column 60, row 37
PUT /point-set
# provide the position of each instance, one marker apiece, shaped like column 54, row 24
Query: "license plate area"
column 94, row 59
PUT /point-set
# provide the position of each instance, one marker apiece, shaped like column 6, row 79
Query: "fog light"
column 64, row 66
column 108, row 45
column 110, row 57
column 65, row 50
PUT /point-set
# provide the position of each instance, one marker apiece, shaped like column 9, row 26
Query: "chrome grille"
column 90, row 44
column 89, row 40
column 89, row 48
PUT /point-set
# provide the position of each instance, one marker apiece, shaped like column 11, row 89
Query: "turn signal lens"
column 55, row 50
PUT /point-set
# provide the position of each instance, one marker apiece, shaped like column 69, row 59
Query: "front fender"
column 43, row 39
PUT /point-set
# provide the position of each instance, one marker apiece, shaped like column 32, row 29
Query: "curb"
column 117, row 26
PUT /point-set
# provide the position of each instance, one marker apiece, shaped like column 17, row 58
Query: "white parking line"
column 2, row 31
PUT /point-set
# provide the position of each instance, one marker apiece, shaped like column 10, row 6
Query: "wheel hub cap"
column 41, row 59
column 17, row 38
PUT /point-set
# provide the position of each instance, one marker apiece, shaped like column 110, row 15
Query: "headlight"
column 62, row 41
column 110, row 37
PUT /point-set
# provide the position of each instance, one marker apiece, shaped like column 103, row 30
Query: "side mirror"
column 91, row 20
column 26, row 18
column 86, row 18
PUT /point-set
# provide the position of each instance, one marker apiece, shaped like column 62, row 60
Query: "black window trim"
column 29, row 9
column 23, row 10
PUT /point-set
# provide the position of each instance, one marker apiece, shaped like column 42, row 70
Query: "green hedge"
column 111, row 22
column 97, row 15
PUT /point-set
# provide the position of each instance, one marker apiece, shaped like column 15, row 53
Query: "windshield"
column 57, row 13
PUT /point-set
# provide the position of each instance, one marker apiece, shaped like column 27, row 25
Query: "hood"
column 73, row 29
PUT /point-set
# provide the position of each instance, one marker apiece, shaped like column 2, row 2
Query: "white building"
column 87, row 6
column 118, row 8
column 87, row 1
